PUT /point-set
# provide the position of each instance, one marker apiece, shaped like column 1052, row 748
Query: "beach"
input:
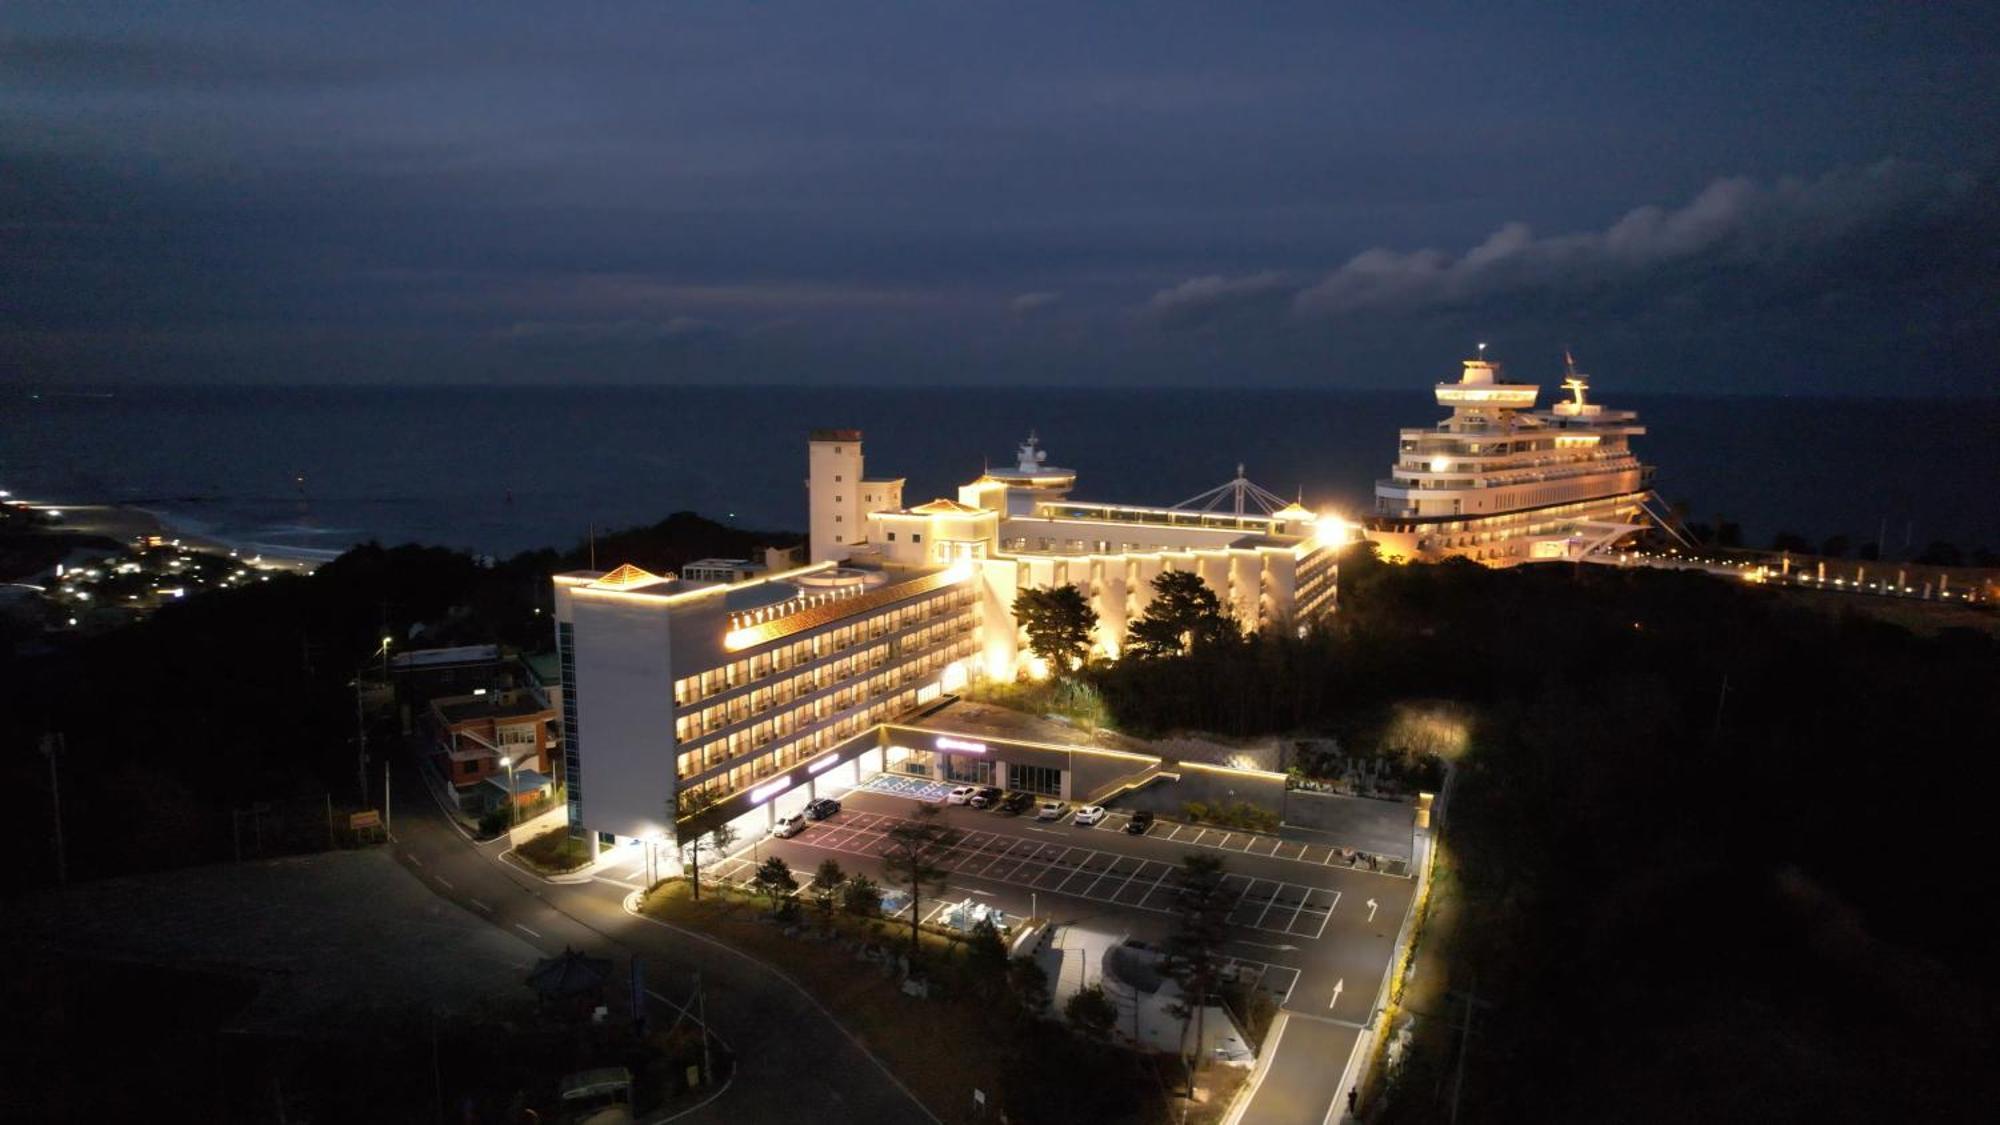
column 127, row 524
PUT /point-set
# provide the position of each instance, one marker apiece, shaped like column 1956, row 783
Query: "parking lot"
column 1307, row 925
column 1272, row 905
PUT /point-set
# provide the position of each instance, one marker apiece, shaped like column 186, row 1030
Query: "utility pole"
column 360, row 742
column 1464, row 1044
column 701, row 1013
column 388, row 829
column 329, row 822
column 1721, row 697
column 52, row 747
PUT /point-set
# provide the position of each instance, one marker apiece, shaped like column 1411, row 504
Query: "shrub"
column 862, row 897
column 1091, row 1012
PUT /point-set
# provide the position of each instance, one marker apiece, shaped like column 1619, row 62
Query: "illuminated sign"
column 825, row 763
column 960, row 745
column 764, row 792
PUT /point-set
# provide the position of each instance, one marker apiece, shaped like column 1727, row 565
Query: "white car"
column 789, row 826
column 1089, row 815
column 960, row 795
column 1051, row 810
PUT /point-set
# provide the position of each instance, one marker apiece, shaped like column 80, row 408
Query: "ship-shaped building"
column 1500, row 482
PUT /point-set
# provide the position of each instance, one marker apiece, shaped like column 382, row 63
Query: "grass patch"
column 554, row 852
column 1237, row 814
column 940, row 1047
column 1215, row 1086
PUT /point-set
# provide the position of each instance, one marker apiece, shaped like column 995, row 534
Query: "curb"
column 630, row 905
column 1248, row 1091
column 1359, row 1061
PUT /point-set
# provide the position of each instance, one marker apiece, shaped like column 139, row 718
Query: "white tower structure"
column 838, row 498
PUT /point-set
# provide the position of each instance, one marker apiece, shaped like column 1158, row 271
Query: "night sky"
column 1738, row 197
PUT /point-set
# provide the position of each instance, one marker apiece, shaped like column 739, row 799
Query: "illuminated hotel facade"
column 688, row 704
column 1501, row 483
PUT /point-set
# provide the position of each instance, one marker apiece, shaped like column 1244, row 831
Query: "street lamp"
column 513, row 805
column 383, row 652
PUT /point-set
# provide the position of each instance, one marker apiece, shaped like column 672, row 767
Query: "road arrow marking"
column 1337, row 987
column 1261, row 945
column 1372, row 904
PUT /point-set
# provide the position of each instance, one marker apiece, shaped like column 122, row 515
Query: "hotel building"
column 688, row 703
column 1501, row 483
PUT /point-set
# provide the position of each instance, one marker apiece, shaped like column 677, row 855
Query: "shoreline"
column 127, row 524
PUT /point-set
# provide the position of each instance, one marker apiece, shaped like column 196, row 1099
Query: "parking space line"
column 1109, row 868
column 1243, row 900
column 1165, row 870
column 1128, row 880
column 1259, row 923
column 1082, row 869
column 1294, row 983
column 1296, row 909
column 1327, row 917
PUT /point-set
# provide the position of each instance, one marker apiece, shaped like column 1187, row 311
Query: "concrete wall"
column 1091, row 774
column 833, row 505
column 625, row 707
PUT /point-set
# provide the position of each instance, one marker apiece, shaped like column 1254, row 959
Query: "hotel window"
column 916, row 537
column 892, row 537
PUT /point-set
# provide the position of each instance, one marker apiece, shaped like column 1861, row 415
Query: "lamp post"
column 513, row 806
column 361, row 723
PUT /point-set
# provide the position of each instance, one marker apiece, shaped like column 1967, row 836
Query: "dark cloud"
column 1028, row 304
column 1206, row 300
column 1733, row 222
column 102, row 63
column 617, row 331
column 965, row 192
column 1869, row 262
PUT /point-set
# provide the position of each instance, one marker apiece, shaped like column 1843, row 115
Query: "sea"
column 310, row 471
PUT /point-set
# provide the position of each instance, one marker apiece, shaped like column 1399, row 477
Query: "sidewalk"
column 1075, row 958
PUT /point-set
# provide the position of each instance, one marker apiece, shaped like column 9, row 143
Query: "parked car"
column 986, row 798
column 1016, row 803
column 1051, row 810
column 822, row 808
column 789, row 826
column 1089, row 815
column 960, row 795
column 1140, row 821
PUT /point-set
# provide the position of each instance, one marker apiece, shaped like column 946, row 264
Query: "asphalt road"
column 1319, row 934
column 1303, row 1077
column 791, row 1058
